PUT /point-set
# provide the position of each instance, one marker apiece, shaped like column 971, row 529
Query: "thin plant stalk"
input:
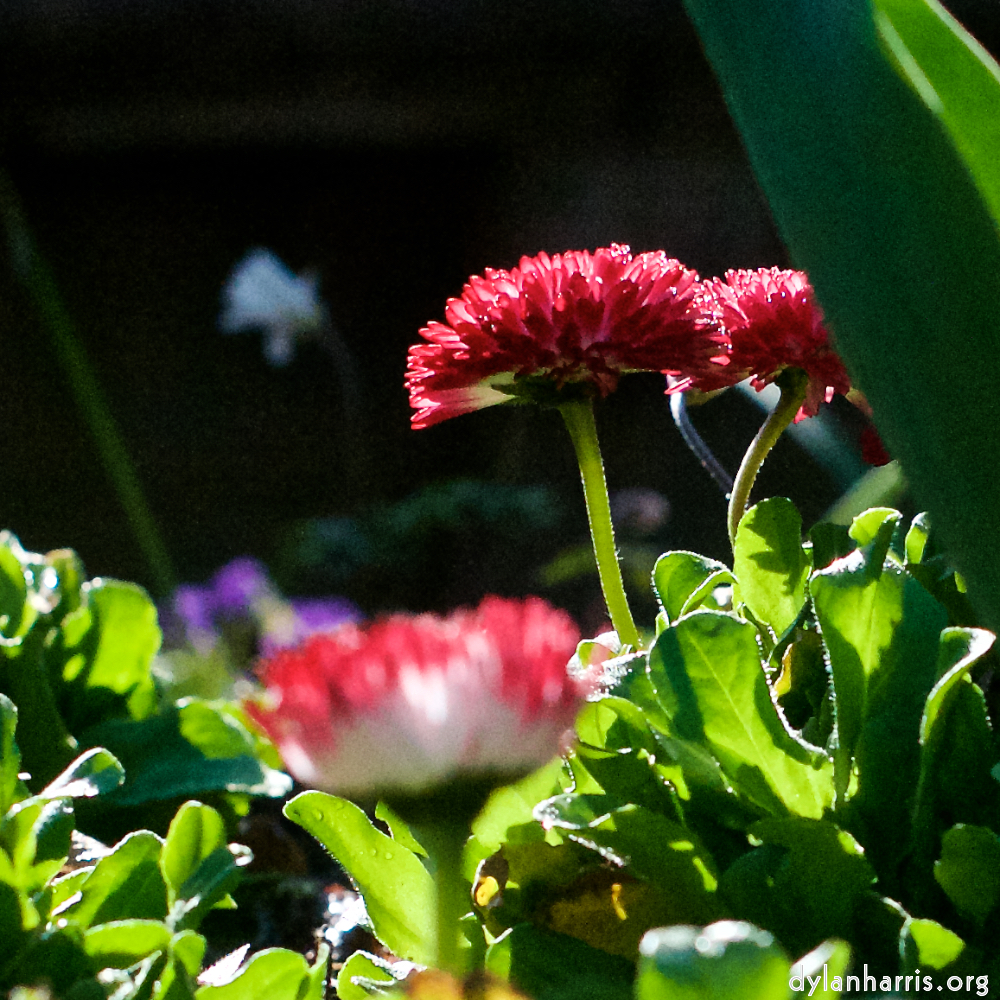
column 579, row 417
column 31, row 269
column 694, row 441
column 793, row 383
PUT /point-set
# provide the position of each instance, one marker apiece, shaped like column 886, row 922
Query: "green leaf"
column 926, row 944
column 969, row 870
column 397, row 890
column 108, row 646
column 13, row 587
column 654, row 848
column 867, row 190
column 881, row 630
column 196, row 832
column 803, row 882
column 93, row 773
column 770, row 563
column 916, row 539
column 508, row 813
column 123, row 943
column 397, row 827
column 955, row 77
column 178, row 979
column 719, row 962
column 875, row 526
column 955, row 784
column 550, row 966
column 678, row 575
column 10, row 756
column 127, row 884
column 364, row 966
column 273, row 974
column 189, row 749
column 708, row 677
column 198, row 866
column 960, row 649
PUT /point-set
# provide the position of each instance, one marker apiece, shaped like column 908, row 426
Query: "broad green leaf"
column 36, row 837
column 190, row 749
column 127, row 884
column 363, row 966
column 875, row 526
column 628, row 776
column 92, row 773
column 867, row 190
column 397, row 890
column 708, row 677
column 122, row 943
column 881, row 630
column 955, row 783
column 13, row 587
column 955, row 77
column 803, row 882
column 770, row 563
column 273, row 974
column 926, row 944
column 725, row 960
column 512, row 805
column 969, row 870
column 550, row 966
column 198, row 866
column 677, row 575
column 10, row 756
column 196, row 832
column 654, row 848
column 108, row 646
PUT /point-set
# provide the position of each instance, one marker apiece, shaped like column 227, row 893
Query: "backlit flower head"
column 577, row 320
column 414, row 701
column 774, row 322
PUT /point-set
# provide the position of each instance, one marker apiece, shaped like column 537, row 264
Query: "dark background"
column 396, row 147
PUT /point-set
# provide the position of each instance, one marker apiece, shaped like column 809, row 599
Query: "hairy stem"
column 793, row 383
column 579, row 417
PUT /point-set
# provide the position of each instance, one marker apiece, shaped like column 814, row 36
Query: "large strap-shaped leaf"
column 875, row 202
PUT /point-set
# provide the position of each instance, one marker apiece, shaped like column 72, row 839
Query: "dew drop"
column 388, row 855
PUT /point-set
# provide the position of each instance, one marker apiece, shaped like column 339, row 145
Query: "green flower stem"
column 445, row 843
column 793, row 383
column 579, row 417
column 32, row 270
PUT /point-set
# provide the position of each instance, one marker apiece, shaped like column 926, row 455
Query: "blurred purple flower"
column 238, row 585
column 309, row 616
column 242, row 594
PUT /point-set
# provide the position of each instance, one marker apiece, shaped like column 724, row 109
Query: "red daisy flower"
column 774, row 322
column 574, row 319
column 416, row 700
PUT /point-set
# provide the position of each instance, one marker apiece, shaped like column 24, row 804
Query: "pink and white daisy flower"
column 414, row 701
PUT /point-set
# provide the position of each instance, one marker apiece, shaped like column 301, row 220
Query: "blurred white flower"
column 262, row 293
